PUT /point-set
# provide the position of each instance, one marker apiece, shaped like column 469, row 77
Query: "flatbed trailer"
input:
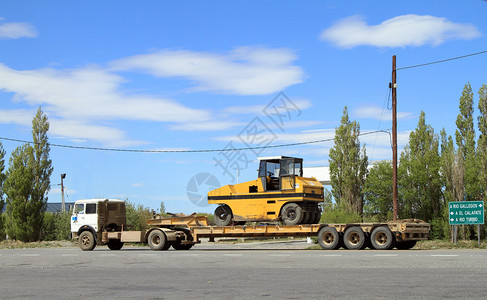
column 401, row 234
column 103, row 222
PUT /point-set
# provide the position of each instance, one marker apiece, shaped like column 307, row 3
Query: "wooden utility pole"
column 394, row 141
column 63, row 207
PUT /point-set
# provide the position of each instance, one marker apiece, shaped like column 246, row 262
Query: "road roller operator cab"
column 280, row 193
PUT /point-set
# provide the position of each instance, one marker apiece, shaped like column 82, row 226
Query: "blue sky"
column 190, row 75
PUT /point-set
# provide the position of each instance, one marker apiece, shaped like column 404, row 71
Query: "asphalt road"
column 242, row 272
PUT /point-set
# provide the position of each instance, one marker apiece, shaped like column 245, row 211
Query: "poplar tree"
column 27, row 184
column 419, row 177
column 378, row 191
column 465, row 139
column 2, row 179
column 348, row 165
column 447, row 166
column 482, row 141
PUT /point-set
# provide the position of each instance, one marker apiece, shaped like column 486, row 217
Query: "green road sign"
column 466, row 212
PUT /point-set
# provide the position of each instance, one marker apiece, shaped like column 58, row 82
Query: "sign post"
column 466, row 213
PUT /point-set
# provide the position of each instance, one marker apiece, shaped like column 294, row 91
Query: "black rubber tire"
column 115, row 244
column 329, row 238
column 307, row 216
column 178, row 246
column 381, row 238
column 86, row 241
column 317, row 218
column 223, row 216
column 157, row 240
column 167, row 245
column 405, row 245
column 354, row 238
column 292, row 214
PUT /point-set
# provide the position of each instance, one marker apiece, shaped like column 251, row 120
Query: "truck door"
column 84, row 214
column 286, row 178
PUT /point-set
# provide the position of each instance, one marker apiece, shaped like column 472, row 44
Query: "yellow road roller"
column 280, row 193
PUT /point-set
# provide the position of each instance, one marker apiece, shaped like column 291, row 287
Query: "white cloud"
column 76, row 101
column 80, row 130
column 90, row 93
column 17, row 116
column 243, row 71
column 302, row 104
column 206, row 126
column 377, row 113
column 16, row 30
column 400, row 31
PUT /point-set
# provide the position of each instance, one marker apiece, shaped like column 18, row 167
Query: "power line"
column 440, row 61
column 188, row 151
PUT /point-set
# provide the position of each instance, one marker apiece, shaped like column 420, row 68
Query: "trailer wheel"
column 157, row 240
column 307, row 216
column 405, row 245
column 223, row 215
column 328, row 238
column 382, row 238
column 354, row 238
column 115, row 244
column 86, row 241
column 292, row 214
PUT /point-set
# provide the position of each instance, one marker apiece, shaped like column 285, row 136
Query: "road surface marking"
column 444, row 255
column 30, row 254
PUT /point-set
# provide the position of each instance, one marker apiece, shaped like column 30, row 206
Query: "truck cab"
column 90, row 217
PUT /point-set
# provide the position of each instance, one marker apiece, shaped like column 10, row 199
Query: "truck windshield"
column 79, row 208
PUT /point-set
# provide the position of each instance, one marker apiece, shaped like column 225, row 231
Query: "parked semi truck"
column 103, row 222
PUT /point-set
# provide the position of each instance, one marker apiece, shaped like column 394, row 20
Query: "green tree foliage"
column 2, row 200
column 56, row 226
column 137, row 216
column 447, row 166
column 348, row 166
column 340, row 213
column 27, row 184
column 419, row 177
column 378, row 191
column 18, row 189
column 465, row 139
column 482, row 141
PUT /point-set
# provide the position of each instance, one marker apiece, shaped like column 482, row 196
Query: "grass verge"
column 46, row 244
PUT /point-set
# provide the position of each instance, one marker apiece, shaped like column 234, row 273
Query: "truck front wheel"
column 86, row 241
column 157, row 240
